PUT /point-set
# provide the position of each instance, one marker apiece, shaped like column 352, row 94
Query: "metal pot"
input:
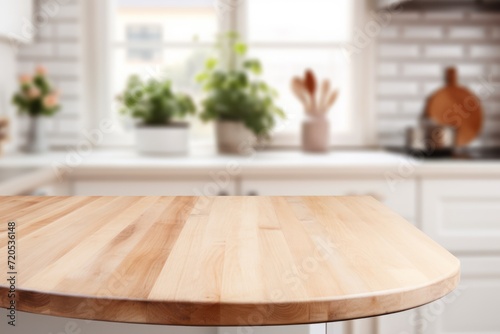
column 431, row 138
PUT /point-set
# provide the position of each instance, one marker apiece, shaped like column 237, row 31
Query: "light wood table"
column 216, row 261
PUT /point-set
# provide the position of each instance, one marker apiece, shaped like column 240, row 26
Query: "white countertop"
column 362, row 162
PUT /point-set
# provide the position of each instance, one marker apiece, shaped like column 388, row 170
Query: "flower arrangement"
column 36, row 96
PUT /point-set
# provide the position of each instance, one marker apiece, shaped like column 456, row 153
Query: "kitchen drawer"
column 462, row 215
column 170, row 187
column 400, row 198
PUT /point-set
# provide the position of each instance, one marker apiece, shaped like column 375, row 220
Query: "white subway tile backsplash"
column 69, row 10
column 63, row 68
column 420, row 50
column 68, row 49
column 68, row 30
column 492, row 108
column 407, row 16
column 467, row 32
column 495, row 33
column 46, row 31
column 431, row 87
column 423, row 32
column 35, row 50
column 69, row 87
column 444, row 51
column 70, row 107
column 398, row 50
column 422, row 70
column 470, row 70
column 495, row 70
column 397, row 88
column 485, row 51
column 387, row 107
column 388, row 69
column 25, row 67
column 389, row 32
column 415, row 107
column 483, row 16
column 443, row 16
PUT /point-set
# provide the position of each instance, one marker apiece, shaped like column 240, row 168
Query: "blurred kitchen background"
column 399, row 100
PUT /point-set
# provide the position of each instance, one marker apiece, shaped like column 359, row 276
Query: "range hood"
column 476, row 5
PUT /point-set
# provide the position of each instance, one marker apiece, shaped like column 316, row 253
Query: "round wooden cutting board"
column 456, row 106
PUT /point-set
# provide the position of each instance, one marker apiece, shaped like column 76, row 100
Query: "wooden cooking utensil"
column 331, row 100
column 456, row 106
column 301, row 93
column 310, row 83
column 325, row 89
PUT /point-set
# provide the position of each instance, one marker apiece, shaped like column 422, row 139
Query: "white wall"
column 8, row 84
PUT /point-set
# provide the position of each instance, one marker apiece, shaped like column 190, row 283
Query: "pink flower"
column 41, row 70
column 25, row 79
column 50, row 101
column 33, row 93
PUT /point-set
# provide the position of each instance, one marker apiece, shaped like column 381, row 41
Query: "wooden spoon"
column 310, row 83
column 301, row 93
column 331, row 100
column 325, row 89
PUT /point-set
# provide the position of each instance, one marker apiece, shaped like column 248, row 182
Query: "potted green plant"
column 158, row 111
column 39, row 100
column 236, row 98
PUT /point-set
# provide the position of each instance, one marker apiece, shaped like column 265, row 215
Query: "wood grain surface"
column 217, row 261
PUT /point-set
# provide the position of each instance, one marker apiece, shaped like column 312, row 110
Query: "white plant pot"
column 235, row 138
column 162, row 140
column 37, row 136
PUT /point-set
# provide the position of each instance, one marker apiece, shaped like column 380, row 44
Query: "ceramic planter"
column 234, row 137
column 36, row 141
column 316, row 134
column 170, row 139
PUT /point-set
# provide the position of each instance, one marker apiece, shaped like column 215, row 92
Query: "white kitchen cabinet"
column 16, row 21
column 474, row 307
column 158, row 187
column 401, row 198
column 462, row 215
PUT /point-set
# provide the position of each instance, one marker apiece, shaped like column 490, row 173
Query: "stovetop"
column 471, row 153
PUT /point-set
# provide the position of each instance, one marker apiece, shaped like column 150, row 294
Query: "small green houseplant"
column 239, row 101
column 159, row 112
column 39, row 100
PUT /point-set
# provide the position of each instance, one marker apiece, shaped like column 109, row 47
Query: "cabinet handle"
column 223, row 193
column 252, row 193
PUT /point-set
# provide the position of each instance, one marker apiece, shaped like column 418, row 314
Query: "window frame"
column 97, row 73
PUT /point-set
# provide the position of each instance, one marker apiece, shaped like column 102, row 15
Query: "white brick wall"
column 57, row 46
column 413, row 51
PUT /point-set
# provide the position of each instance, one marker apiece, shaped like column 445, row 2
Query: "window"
column 173, row 37
column 144, row 42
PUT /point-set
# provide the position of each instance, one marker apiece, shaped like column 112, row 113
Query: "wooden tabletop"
column 219, row 260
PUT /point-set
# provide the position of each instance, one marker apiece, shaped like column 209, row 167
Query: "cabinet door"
column 400, row 198
column 162, row 187
column 473, row 308
column 462, row 215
